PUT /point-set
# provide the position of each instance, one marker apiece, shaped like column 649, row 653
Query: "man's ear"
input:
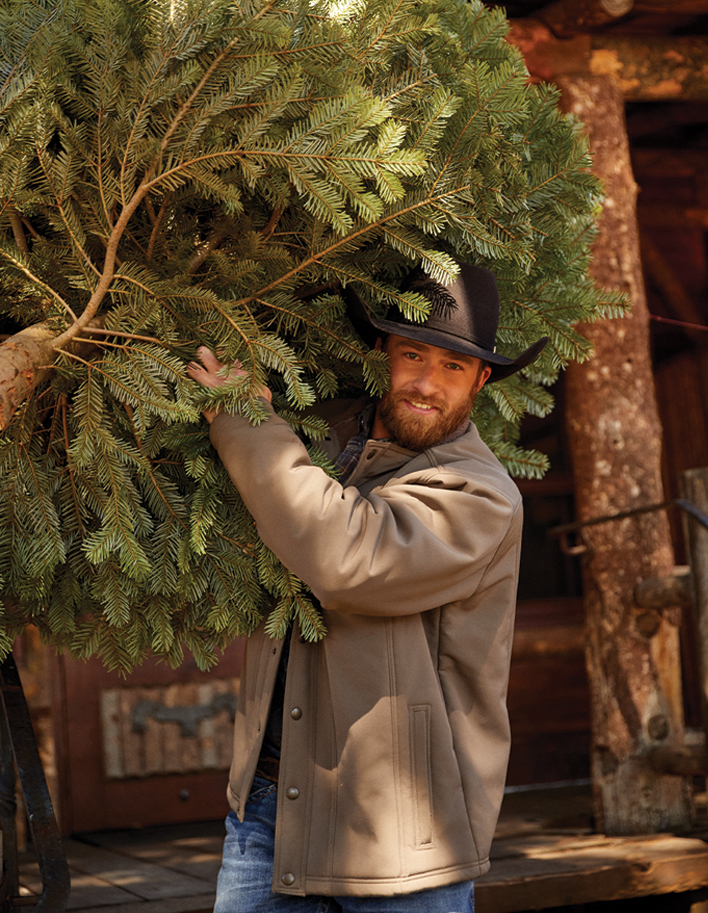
column 379, row 344
column 483, row 377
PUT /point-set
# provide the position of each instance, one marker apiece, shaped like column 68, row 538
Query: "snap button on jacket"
column 395, row 729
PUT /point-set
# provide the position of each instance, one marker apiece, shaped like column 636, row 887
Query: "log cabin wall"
column 673, row 213
column 658, row 52
column 548, row 689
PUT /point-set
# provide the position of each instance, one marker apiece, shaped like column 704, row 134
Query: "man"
column 372, row 780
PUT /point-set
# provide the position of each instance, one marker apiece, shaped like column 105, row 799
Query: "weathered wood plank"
column 86, row 890
column 112, row 742
column 172, row 733
column 133, row 754
column 549, row 867
column 201, row 837
column 179, row 728
column 190, row 747
column 535, row 873
column 209, row 755
column 142, row 879
column 153, row 738
column 201, row 904
column 645, row 68
column 198, row 857
column 225, row 731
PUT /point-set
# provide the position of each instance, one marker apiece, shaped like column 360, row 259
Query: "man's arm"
column 409, row 546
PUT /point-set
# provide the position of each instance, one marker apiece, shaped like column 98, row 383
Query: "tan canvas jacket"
column 396, row 734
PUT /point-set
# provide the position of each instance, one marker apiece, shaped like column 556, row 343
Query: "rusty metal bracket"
column 17, row 740
column 188, row 718
column 565, row 529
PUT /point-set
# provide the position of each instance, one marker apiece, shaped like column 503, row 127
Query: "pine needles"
column 179, row 173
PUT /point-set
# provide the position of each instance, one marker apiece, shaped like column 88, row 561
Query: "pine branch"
column 225, row 175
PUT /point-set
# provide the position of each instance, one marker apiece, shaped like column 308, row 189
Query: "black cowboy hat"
column 463, row 318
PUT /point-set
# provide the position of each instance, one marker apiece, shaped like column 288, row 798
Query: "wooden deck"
column 545, row 856
column 154, row 870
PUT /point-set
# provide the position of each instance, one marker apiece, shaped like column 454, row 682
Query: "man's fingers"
column 208, row 359
column 201, row 375
column 210, row 373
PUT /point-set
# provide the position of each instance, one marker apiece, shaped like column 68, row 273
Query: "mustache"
column 413, row 395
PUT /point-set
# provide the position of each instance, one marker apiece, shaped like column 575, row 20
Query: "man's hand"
column 210, row 373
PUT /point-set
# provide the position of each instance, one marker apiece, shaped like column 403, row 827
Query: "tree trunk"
column 615, row 439
column 24, row 359
column 28, row 357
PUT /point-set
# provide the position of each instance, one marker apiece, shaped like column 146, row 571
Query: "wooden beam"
column 572, row 17
column 659, row 215
column 656, row 163
column 671, row 7
column 656, row 68
column 567, row 18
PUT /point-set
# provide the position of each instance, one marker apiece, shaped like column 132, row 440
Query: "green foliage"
column 202, row 171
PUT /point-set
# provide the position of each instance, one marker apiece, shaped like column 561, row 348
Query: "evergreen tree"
column 179, row 172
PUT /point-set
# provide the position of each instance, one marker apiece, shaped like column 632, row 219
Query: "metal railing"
column 565, row 529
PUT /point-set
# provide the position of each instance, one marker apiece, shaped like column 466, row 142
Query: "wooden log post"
column 615, row 440
column 694, row 488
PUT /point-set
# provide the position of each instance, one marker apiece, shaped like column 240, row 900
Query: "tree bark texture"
column 25, row 360
column 615, row 441
column 28, row 358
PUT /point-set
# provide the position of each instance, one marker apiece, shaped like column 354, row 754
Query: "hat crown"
column 467, row 309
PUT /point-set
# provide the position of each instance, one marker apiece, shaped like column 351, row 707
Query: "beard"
column 419, row 432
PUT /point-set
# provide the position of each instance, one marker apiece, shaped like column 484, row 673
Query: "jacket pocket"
column 421, row 783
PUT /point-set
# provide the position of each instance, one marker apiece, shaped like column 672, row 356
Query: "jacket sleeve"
column 417, row 542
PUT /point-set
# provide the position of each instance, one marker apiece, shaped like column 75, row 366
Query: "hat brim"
column 500, row 365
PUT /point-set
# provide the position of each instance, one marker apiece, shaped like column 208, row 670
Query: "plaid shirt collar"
column 349, row 457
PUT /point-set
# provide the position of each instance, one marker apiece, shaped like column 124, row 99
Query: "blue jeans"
column 247, row 871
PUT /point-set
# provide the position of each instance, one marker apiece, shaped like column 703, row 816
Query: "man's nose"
column 428, row 380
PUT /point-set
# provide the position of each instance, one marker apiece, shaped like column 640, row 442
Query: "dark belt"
column 268, row 768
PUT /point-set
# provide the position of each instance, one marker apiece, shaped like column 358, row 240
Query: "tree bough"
column 199, row 172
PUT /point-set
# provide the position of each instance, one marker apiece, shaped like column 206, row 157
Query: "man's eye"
column 455, row 366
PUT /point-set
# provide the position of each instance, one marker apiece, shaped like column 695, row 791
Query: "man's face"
column 431, row 393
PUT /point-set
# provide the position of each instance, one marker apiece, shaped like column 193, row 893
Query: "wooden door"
column 151, row 748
